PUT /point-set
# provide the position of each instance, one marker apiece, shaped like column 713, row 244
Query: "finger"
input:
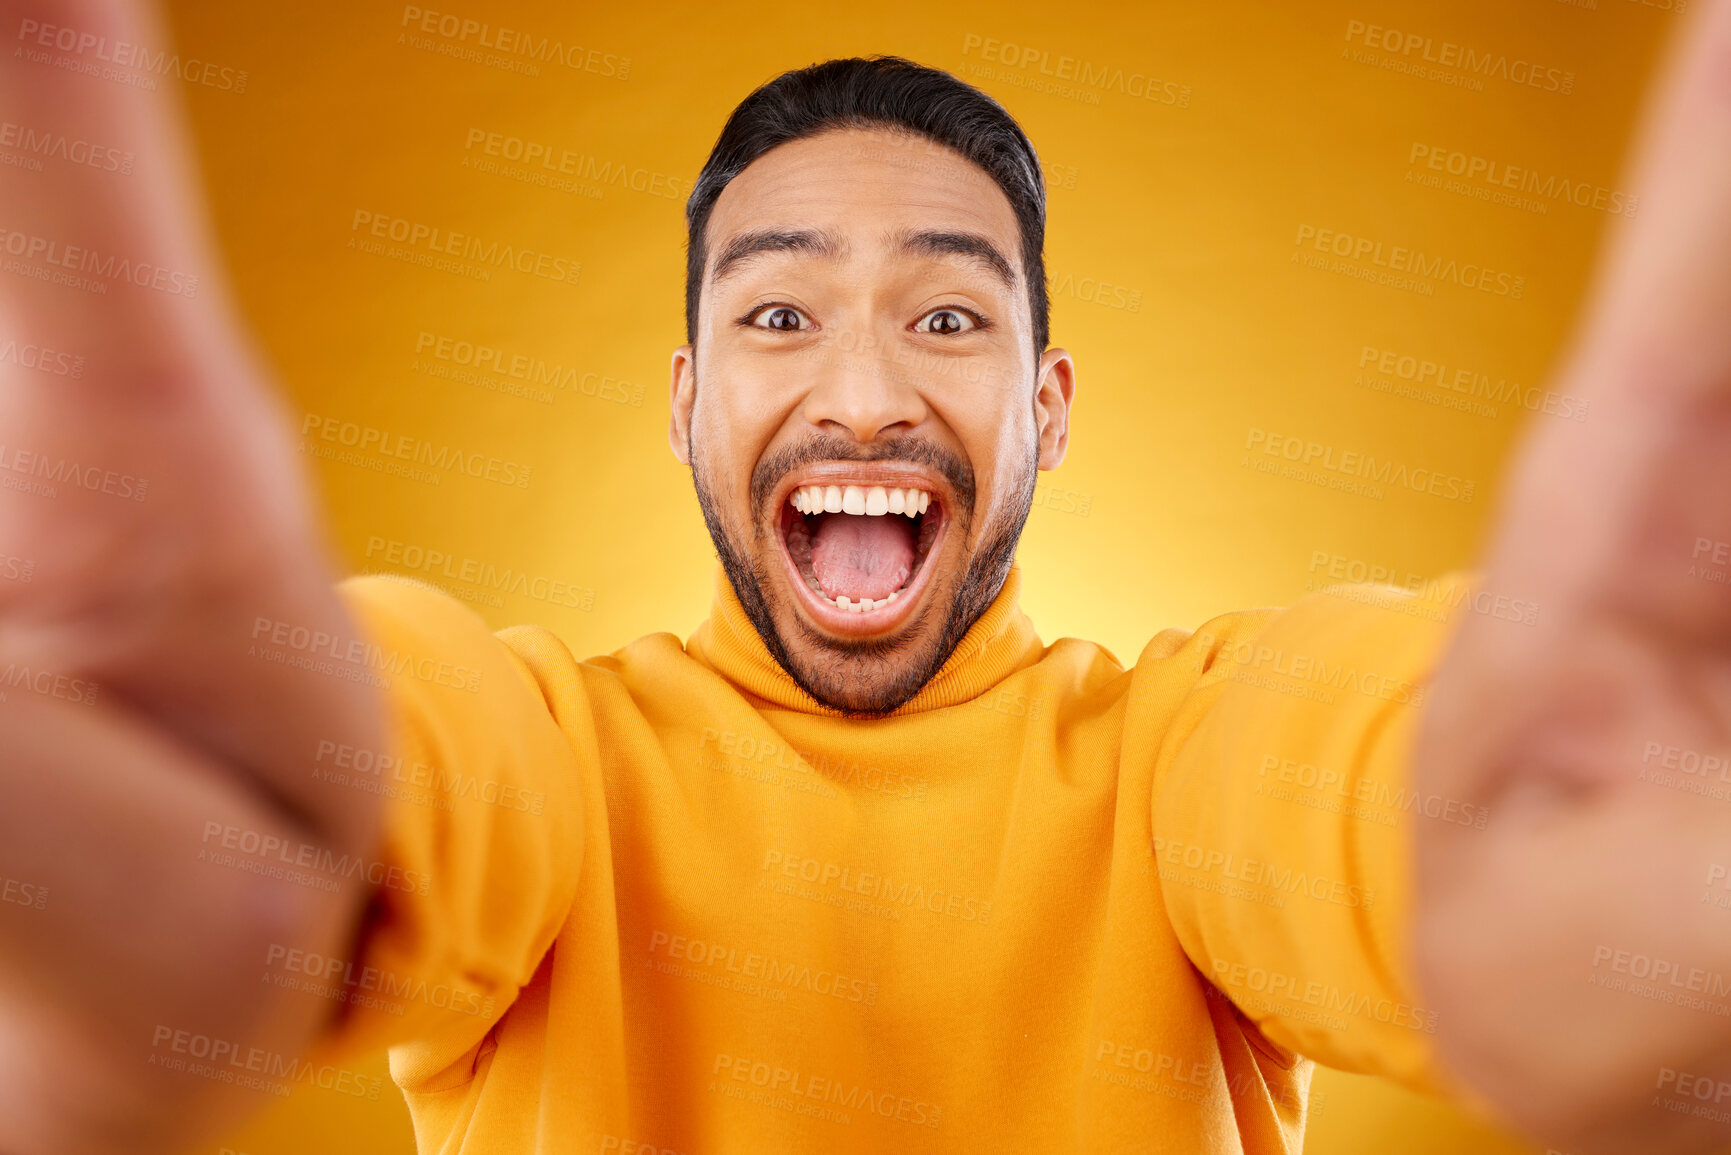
column 1624, row 513
column 108, row 261
column 1660, row 318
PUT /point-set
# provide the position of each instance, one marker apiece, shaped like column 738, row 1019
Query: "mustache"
column 823, row 447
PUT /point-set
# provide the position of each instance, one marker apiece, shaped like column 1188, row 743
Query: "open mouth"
column 857, row 548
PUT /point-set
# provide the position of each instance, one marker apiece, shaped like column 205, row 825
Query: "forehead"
column 866, row 185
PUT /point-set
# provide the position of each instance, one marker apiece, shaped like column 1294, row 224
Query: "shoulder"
column 1192, row 653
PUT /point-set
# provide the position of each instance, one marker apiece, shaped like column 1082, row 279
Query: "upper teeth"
column 872, row 500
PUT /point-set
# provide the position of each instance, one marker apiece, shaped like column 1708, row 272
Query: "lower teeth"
column 864, row 605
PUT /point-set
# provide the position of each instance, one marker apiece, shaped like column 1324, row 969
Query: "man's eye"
column 945, row 322
column 783, row 319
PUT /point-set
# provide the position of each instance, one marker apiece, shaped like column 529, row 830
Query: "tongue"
column 862, row 557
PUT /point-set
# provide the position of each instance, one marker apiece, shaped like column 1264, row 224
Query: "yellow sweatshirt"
column 664, row 902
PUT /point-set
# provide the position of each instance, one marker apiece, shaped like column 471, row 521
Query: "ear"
column 1054, row 389
column 683, row 390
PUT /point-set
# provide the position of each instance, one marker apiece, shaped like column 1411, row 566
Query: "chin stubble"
column 874, row 676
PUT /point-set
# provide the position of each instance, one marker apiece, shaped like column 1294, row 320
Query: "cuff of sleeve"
column 480, row 839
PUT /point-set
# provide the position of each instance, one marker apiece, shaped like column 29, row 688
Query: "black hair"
column 878, row 92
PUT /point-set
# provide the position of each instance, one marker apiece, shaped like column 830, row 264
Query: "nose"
column 864, row 392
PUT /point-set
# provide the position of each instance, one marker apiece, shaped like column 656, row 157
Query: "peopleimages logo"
column 779, row 973
column 1497, row 175
column 350, row 980
column 1358, row 465
column 81, row 259
column 1470, row 384
column 253, row 1068
column 38, row 143
column 47, row 474
column 537, row 375
column 1039, row 62
column 353, row 658
column 1418, row 48
column 1418, row 263
column 433, row 241
column 787, row 1086
column 420, row 451
column 90, row 52
column 525, row 49
column 28, row 356
column 578, row 165
column 265, row 846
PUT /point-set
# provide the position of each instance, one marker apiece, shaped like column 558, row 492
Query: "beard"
column 872, row 676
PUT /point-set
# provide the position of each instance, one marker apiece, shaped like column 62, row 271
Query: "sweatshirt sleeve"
column 1284, row 819
column 481, row 832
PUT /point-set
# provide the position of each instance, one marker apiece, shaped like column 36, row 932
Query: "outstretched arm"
column 152, row 515
column 1576, row 950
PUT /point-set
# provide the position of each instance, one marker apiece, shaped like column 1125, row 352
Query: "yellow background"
column 1189, row 211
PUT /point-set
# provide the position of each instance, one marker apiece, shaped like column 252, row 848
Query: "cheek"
column 1001, row 452
column 730, row 434
column 745, row 407
column 721, row 428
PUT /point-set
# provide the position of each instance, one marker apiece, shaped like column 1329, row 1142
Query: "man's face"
column 864, row 411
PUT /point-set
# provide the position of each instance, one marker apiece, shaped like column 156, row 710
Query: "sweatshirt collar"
column 1001, row 642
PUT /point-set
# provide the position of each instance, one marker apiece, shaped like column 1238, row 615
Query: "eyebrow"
column 742, row 248
column 821, row 243
column 939, row 243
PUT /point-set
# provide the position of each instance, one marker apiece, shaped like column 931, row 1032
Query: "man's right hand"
column 158, row 544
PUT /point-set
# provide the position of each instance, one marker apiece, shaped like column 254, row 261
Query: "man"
column 863, row 865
